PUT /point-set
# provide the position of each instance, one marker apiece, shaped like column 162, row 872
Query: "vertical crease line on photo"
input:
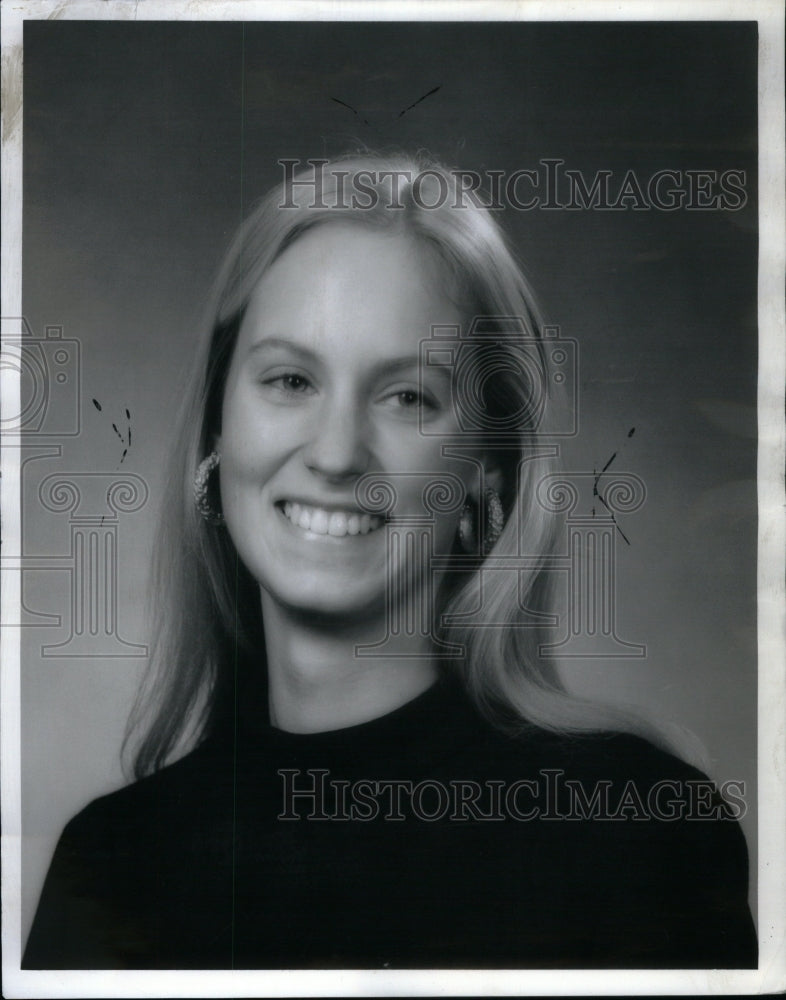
column 234, row 763
column 237, row 557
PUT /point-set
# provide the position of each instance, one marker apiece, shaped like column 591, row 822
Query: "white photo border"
column 771, row 974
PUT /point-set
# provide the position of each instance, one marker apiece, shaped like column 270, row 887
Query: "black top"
column 425, row 838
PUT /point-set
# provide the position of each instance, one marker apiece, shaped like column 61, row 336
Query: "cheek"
column 433, row 487
column 445, row 533
column 414, row 452
column 248, row 463
column 253, row 442
column 427, row 472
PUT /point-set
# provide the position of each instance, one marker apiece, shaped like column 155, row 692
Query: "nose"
column 338, row 449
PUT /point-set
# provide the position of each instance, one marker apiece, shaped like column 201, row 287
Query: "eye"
column 289, row 383
column 409, row 399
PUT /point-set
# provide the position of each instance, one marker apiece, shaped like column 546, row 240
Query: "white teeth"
column 336, row 523
column 319, row 522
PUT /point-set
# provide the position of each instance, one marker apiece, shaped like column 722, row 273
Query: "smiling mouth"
column 336, row 523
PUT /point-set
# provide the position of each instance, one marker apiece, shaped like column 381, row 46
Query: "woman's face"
column 323, row 388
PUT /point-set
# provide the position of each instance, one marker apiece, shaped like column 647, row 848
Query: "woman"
column 365, row 777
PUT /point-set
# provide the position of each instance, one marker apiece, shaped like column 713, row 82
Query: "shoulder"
column 618, row 783
column 597, row 755
column 165, row 798
column 663, row 814
column 107, row 901
column 643, row 844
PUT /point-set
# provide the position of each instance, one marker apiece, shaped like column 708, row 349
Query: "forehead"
column 343, row 286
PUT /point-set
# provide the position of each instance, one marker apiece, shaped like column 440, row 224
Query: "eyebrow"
column 386, row 366
column 279, row 342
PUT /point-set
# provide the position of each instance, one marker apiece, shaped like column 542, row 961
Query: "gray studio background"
column 144, row 145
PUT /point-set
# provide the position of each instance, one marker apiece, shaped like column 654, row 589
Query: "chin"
column 328, row 609
column 330, row 595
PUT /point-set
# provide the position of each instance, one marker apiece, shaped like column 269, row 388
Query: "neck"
column 317, row 682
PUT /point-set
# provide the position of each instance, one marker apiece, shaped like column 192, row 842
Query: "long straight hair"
column 205, row 607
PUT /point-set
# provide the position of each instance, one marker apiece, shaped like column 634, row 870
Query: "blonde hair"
column 205, row 604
